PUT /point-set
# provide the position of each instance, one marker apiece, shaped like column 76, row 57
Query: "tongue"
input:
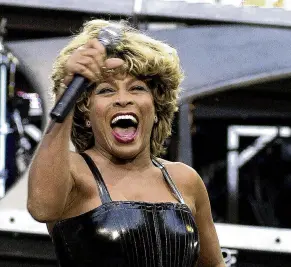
column 124, row 135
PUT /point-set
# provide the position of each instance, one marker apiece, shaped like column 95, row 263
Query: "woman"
column 113, row 202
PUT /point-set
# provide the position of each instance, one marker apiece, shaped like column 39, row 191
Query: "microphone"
column 109, row 37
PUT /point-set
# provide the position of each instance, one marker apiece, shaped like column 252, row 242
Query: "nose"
column 123, row 99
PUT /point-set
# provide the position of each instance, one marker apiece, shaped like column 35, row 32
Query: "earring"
column 88, row 123
column 156, row 119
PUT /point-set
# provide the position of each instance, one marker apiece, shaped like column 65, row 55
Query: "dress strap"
column 102, row 188
column 169, row 180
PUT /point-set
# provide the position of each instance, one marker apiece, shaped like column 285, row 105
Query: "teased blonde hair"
column 145, row 58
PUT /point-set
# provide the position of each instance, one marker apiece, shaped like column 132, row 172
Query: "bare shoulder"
column 75, row 157
column 184, row 172
column 185, row 177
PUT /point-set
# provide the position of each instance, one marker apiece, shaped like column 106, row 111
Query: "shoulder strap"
column 169, row 180
column 103, row 191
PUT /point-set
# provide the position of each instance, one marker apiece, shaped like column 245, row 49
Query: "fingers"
column 90, row 61
column 67, row 79
column 95, row 44
column 83, row 70
column 113, row 63
column 87, row 61
column 93, row 48
column 96, row 55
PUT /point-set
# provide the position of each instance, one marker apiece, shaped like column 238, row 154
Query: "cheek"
column 149, row 105
column 149, row 113
column 97, row 111
column 97, row 106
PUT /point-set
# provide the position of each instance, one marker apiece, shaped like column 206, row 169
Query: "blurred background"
column 233, row 125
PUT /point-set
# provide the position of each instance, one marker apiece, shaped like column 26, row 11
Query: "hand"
column 90, row 61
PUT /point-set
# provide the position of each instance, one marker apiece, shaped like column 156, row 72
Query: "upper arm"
column 196, row 196
column 49, row 187
column 210, row 252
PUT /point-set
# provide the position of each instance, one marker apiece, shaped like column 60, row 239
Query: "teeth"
column 124, row 117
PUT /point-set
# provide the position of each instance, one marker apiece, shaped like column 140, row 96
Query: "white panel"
column 14, row 216
column 20, row 221
column 254, row 238
column 230, row 10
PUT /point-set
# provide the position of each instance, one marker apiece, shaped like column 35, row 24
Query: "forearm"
column 49, row 176
column 221, row 264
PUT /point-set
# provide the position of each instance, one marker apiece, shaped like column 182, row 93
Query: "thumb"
column 112, row 63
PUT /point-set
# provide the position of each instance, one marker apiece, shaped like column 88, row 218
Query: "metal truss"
column 236, row 159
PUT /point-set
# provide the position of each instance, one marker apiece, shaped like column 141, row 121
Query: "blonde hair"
column 146, row 58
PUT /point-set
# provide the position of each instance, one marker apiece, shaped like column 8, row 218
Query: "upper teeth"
column 124, row 117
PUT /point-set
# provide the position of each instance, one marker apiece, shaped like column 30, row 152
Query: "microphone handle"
column 68, row 99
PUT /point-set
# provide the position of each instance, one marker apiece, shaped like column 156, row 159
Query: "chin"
column 126, row 152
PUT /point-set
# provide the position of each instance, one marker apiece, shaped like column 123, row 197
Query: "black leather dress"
column 128, row 233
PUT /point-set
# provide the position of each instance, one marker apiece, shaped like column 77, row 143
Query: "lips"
column 124, row 127
column 129, row 116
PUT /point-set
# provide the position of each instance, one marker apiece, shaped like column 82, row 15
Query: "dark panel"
column 249, row 258
column 265, row 101
column 217, row 58
column 14, row 262
column 90, row 6
column 28, row 23
column 26, row 246
column 21, row 250
column 214, row 58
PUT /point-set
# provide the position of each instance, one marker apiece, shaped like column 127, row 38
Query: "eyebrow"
column 132, row 80
column 113, row 81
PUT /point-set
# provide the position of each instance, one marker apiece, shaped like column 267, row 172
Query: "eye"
column 139, row 88
column 105, row 90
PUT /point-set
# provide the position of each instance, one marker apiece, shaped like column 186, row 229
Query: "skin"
column 57, row 192
column 123, row 95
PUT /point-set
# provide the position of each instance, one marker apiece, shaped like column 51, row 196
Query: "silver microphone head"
column 110, row 37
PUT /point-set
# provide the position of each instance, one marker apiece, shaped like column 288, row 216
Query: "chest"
column 149, row 186
column 129, row 234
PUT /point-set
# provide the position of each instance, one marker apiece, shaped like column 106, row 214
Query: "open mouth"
column 124, row 127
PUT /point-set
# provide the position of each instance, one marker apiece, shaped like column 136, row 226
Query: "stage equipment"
column 21, row 116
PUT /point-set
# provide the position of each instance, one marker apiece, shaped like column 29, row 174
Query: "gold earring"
column 88, row 123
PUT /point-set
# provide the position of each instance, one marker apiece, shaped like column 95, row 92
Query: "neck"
column 139, row 162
